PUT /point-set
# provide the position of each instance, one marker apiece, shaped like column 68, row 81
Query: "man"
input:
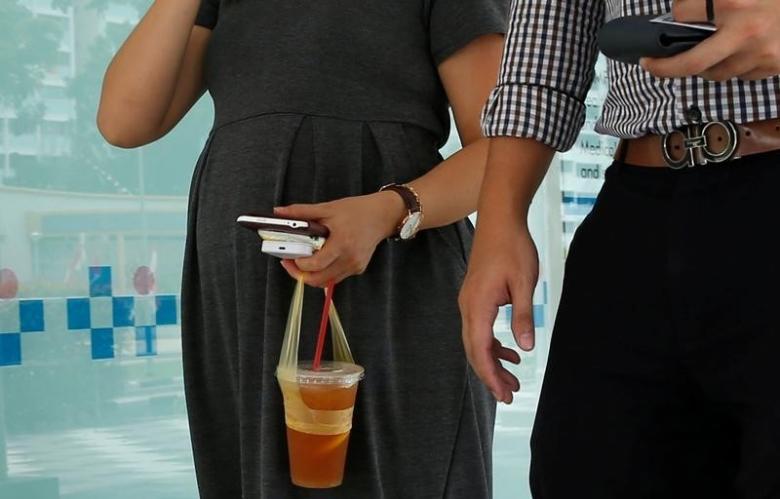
column 663, row 373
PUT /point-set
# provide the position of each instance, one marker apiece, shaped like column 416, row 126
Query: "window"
column 91, row 240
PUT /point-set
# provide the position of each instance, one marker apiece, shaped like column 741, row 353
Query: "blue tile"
column 103, row 343
column 11, row 349
column 146, row 341
column 78, row 313
column 100, row 281
column 124, row 311
column 31, row 316
column 538, row 315
column 166, row 309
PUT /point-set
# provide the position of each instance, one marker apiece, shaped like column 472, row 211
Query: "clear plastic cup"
column 318, row 407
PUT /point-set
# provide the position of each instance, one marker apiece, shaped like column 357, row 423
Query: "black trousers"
column 663, row 379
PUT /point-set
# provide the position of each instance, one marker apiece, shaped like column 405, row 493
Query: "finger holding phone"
column 745, row 46
column 356, row 225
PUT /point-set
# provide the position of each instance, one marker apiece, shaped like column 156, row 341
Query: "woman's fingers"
column 291, row 268
column 321, row 260
column 303, row 211
column 335, row 273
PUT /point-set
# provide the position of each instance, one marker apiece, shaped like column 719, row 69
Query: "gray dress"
column 318, row 100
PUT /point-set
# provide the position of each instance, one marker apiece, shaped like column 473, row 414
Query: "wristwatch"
column 411, row 223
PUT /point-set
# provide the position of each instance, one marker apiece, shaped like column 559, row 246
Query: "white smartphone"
column 287, row 250
column 315, row 242
column 284, row 237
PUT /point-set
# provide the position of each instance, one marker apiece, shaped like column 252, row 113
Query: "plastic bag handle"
column 288, row 358
column 341, row 351
column 292, row 332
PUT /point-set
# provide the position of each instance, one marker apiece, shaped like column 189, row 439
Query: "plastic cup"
column 318, row 407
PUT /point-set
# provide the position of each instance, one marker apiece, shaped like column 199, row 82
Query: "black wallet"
column 627, row 39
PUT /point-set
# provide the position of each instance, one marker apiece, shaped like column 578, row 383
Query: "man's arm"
column 746, row 45
column 537, row 107
column 504, row 266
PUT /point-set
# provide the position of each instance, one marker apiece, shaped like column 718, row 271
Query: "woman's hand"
column 357, row 225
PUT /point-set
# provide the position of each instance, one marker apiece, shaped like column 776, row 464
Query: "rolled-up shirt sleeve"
column 547, row 69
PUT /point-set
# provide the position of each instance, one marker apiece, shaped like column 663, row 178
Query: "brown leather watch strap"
column 410, row 198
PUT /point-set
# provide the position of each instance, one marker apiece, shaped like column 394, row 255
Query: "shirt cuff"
column 534, row 112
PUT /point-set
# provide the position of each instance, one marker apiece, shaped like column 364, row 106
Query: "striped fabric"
column 548, row 68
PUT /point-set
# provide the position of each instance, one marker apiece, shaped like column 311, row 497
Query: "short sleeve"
column 208, row 14
column 455, row 23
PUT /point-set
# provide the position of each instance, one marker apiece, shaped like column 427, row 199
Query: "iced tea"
column 318, row 409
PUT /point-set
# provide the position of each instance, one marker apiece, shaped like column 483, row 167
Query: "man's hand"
column 504, row 265
column 746, row 45
column 500, row 272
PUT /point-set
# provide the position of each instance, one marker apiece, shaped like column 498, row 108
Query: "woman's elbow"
column 120, row 133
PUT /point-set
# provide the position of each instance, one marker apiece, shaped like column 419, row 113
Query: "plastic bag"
column 288, row 359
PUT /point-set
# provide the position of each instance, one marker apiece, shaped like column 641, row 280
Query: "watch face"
column 411, row 225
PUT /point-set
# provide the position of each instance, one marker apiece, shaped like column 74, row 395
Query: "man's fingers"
column 757, row 74
column 689, row 11
column 478, row 319
column 504, row 353
column 484, row 364
column 697, row 60
column 510, row 381
column 522, row 315
column 731, row 67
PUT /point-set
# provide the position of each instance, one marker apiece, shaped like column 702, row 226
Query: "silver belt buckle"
column 697, row 151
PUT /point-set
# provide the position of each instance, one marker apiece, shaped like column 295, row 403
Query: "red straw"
column 323, row 326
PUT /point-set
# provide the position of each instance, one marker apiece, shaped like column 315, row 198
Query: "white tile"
column 9, row 316
column 169, row 340
column 55, row 315
column 102, row 312
column 124, row 342
column 145, row 310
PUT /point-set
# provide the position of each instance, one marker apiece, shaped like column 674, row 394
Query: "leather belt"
column 701, row 143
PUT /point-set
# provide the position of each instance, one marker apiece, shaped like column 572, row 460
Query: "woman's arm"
column 448, row 193
column 156, row 76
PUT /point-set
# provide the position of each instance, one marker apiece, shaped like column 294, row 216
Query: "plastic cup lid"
column 329, row 373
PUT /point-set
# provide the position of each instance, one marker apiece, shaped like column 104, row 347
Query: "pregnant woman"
column 318, row 105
